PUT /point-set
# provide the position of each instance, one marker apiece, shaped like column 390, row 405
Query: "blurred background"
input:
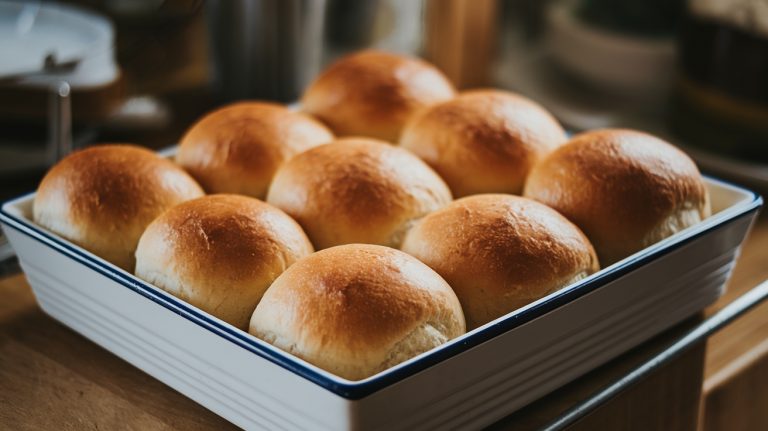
column 78, row 72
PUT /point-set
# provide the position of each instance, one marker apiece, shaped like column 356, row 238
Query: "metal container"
column 264, row 49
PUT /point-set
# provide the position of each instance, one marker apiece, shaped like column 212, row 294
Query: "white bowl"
column 608, row 60
column 32, row 30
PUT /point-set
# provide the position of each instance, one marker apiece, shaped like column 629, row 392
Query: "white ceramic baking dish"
column 468, row 383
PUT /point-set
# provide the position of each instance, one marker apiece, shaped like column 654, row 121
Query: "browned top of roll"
column 357, row 309
column 483, row 141
column 238, row 148
column 372, row 93
column 103, row 197
column 357, row 190
column 625, row 189
column 220, row 253
column 500, row 252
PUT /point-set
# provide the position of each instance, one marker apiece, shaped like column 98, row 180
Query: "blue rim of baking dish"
column 357, row 390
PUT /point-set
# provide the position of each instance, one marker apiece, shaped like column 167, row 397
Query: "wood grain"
column 738, row 400
column 53, row 379
column 667, row 400
column 736, row 369
column 460, row 39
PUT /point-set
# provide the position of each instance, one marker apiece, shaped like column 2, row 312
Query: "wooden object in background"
column 460, row 39
column 54, row 379
column 736, row 371
column 737, row 397
column 667, row 400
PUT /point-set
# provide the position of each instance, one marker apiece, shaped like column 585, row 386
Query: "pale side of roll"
column 625, row 189
column 220, row 253
column 103, row 197
column 355, row 310
column 501, row 252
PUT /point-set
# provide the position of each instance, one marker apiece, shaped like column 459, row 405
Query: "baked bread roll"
column 483, row 141
column 220, row 253
column 625, row 189
column 501, row 252
column 373, row 93
column 357, row 190
column 358, row 309
column 103, row 197
column 238, row 148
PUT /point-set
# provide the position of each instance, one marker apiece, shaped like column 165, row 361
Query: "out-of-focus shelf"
column 531, row 71
column 743, row 172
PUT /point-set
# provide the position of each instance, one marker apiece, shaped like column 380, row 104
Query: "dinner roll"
column 357, row 190
column 101, row 198
column 373, row 93
column 220, row 253
column 501, row 252
column 625, row 189
column 483, row 141
column 238, row 148
column 355, row 310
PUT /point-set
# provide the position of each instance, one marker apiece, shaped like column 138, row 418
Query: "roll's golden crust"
column 357, row 190
column 483, row 141
column 102, row 198
column 220, row 253
column 356, row 310
column 500, row 252
column 374, row 93
column 238, row 148
column 624, row 189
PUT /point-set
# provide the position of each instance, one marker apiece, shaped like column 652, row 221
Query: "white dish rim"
column 354, row 390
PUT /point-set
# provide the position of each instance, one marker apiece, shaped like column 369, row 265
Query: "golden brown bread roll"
column 102, row 198
column 625, row 189
column 238, row 148
column 357, row 309
column 372, row 93
column 357, row 190
column 500, row 252
column 483, row 141
column 220, row 253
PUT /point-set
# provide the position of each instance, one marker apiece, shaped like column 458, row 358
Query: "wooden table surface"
column 53, row 379
column 736, row 368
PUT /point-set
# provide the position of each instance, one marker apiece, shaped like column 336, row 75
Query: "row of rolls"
column 382, row 217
